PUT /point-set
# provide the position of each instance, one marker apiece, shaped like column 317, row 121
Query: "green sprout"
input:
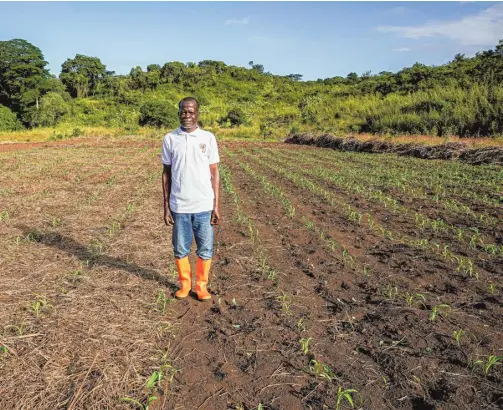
column 441, row 310
column 345, row 395
column 304, row 344
column 487, row 365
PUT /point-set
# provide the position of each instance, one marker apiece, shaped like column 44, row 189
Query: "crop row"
column 471, row 236
column 317, row 368
column 477, row 185
column 463, row 264
column 291, row 211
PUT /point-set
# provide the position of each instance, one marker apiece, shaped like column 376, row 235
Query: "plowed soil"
column 87, row 279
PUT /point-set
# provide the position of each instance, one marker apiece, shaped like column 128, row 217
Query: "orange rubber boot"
column 202, row 273
column 185, row 277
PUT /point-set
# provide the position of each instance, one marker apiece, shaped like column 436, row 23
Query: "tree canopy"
column 23, row 77
column 82, row 75
column 463, row 97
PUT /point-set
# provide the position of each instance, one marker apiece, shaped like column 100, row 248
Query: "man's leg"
column 203, row 233
column 182, row 239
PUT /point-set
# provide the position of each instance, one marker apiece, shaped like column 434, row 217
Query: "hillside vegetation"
column 463, row 97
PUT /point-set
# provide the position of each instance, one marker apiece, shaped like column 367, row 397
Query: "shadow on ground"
column 91, row 258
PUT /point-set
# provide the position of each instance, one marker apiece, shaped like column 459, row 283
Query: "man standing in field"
column 191, row 185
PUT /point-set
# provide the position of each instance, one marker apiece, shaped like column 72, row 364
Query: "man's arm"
column 215, row 184
column 166, row 191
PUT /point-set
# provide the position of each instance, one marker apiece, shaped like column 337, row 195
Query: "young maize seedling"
column 141, row 406
column 264, row 266
column 55, row 222
column 162, row 301
column 18, row 329
column 487, row 365
column 290, row 209
column 154, row 380
column 321, row 370
column 442, row 310
column 113, row 228
column 130, row 207
column 304, row 344
column 391, row 292
column 301, row 325
column 39, row 304
column 411, row 298
column 457, row 335
column 345, row 395
column 474, row 240
column 272, row 275
column 33, row 236
column 286, row 303
column 173, row 270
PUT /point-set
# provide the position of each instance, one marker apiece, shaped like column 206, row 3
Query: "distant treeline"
column 463, row 97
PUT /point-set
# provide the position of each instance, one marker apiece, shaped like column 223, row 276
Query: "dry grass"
column 83, row 258
column 64, row 132
column 431, row 141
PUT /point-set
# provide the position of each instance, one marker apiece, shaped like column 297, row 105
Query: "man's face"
column 188, row 115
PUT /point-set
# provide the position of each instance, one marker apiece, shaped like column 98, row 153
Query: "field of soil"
column 340, row 280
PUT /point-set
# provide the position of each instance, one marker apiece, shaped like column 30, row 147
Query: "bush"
column 8, row 120
column 52, row 108
column 159, row 114
column 77, row 132
column 234, row 118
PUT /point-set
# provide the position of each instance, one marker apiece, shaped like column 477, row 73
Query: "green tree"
column 352, row 78
column 218, row 66
column 257, row 67
column 22, row 75
column 153, row 76
column 82, row 75
column 294, row 77
column 139, row 80
column 173, row 72
column 52, row 108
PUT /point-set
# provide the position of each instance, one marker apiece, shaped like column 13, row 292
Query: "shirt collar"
column 192, row 134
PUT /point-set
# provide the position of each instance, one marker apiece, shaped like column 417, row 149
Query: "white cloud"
column 242, row 21
column 402, row 49
column 482, row 29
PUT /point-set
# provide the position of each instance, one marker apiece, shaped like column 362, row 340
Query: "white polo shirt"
column 190, row 156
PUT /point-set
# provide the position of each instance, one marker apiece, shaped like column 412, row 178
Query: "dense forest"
column 463, row 97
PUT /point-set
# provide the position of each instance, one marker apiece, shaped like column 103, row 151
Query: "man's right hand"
column 168, row 218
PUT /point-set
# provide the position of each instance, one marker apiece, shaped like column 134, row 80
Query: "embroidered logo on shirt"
column 203, row 148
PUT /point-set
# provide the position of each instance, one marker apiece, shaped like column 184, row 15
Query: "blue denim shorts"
column 190, row 226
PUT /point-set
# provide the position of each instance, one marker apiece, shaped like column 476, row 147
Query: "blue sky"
column 315, row 39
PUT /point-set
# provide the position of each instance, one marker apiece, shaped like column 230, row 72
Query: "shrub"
column 234, row 118
column 52, row 108
column 8, row 120
column 159, row 114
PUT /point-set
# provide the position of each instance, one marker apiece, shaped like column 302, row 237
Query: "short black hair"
column 189, row 100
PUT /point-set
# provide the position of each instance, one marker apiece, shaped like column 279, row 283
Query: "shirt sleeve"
column 166, row 151
column 213, row 156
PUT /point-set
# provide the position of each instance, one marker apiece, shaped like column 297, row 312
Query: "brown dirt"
column 103, row 334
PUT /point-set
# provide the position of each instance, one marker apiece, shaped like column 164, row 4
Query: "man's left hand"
column 215, row 217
